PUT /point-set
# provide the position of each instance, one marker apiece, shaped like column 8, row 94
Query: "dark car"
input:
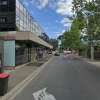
column 57, row 54
column 40, row 54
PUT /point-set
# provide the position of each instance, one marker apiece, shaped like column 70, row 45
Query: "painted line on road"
column 14, row 92
column 67, row 59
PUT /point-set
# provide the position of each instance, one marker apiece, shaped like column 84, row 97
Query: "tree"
column 72, row 37
column 54, row 43
column 90, row 14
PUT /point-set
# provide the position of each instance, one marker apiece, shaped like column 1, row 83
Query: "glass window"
column 17, row 4
column 11, row 29
column 29, row 17
column 4, row 9
column 28, row 27
column 21, row 7
column 31, row 24
column 0, row 20
column 17, row 27
column 17, row 12
column 21, row 16
column 11, row 2
column 25, row 26
column 21, row 23
column 25, row 12
column 17, row 20
column 3, row 19
column 31, row 29
column 25, row 19
column 11, row 8
column 4, row 29
column 21, row 28
column 3, row 3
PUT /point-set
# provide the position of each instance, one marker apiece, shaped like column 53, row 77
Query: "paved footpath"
column 20, row 74
column 95, row 62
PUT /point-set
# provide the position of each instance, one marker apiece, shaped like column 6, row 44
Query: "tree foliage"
column 88, row 14
column 85, row 19
column 72, row 37
column 54, row 43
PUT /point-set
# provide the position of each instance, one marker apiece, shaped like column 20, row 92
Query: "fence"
column 88, row 54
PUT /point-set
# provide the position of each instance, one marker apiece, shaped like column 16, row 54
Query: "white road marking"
column 43, row 95
column 68, row 59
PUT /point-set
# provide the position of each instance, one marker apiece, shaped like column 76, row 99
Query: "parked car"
column 67, row 52
column 57, row 53
column 40, row 54
column 50, row 52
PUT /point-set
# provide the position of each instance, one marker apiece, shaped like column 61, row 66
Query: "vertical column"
column 28, row 54
column 9, row 53
column 1, row 54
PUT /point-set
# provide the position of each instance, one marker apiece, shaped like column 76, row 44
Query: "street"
column 66, row 78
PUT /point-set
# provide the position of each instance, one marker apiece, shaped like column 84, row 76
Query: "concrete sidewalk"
column 95, row 62
column 20, row 74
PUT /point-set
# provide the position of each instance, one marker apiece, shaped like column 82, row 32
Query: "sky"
column 51, row 15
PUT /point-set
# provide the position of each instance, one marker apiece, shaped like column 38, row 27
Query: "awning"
column 26, row 36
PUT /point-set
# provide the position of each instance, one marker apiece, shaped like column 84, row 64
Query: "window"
column 24, row 19
column 11, row 8
column 21, row 7
column 21, row 23
column 3, row 3
column 17, row 12
column 4, row 9
column 4, row 29
column 17, row 20
column 17, row 27
column 11, row 2
column 21, row 16
column 3, row 19
column 11, row 29
column 25, row 12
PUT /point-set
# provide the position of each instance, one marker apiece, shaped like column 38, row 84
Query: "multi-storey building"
column 15, row 17
column 21, row 32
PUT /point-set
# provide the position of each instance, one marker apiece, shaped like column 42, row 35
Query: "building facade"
column 15, row 17
column 24, row 39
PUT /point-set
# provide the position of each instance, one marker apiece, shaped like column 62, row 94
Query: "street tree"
column 72, row 37
column 90, row 11
column 54, row 43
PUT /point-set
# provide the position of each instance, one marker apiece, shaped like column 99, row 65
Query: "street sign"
column 43, row 95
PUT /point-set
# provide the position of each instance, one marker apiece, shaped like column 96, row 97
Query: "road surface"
column 66, row 78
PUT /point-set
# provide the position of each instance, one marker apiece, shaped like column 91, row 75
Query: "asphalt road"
column 66, row 78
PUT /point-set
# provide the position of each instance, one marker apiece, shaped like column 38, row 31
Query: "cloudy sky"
column 51, row 15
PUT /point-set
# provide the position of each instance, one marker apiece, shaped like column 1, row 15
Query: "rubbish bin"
column 3, row 83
